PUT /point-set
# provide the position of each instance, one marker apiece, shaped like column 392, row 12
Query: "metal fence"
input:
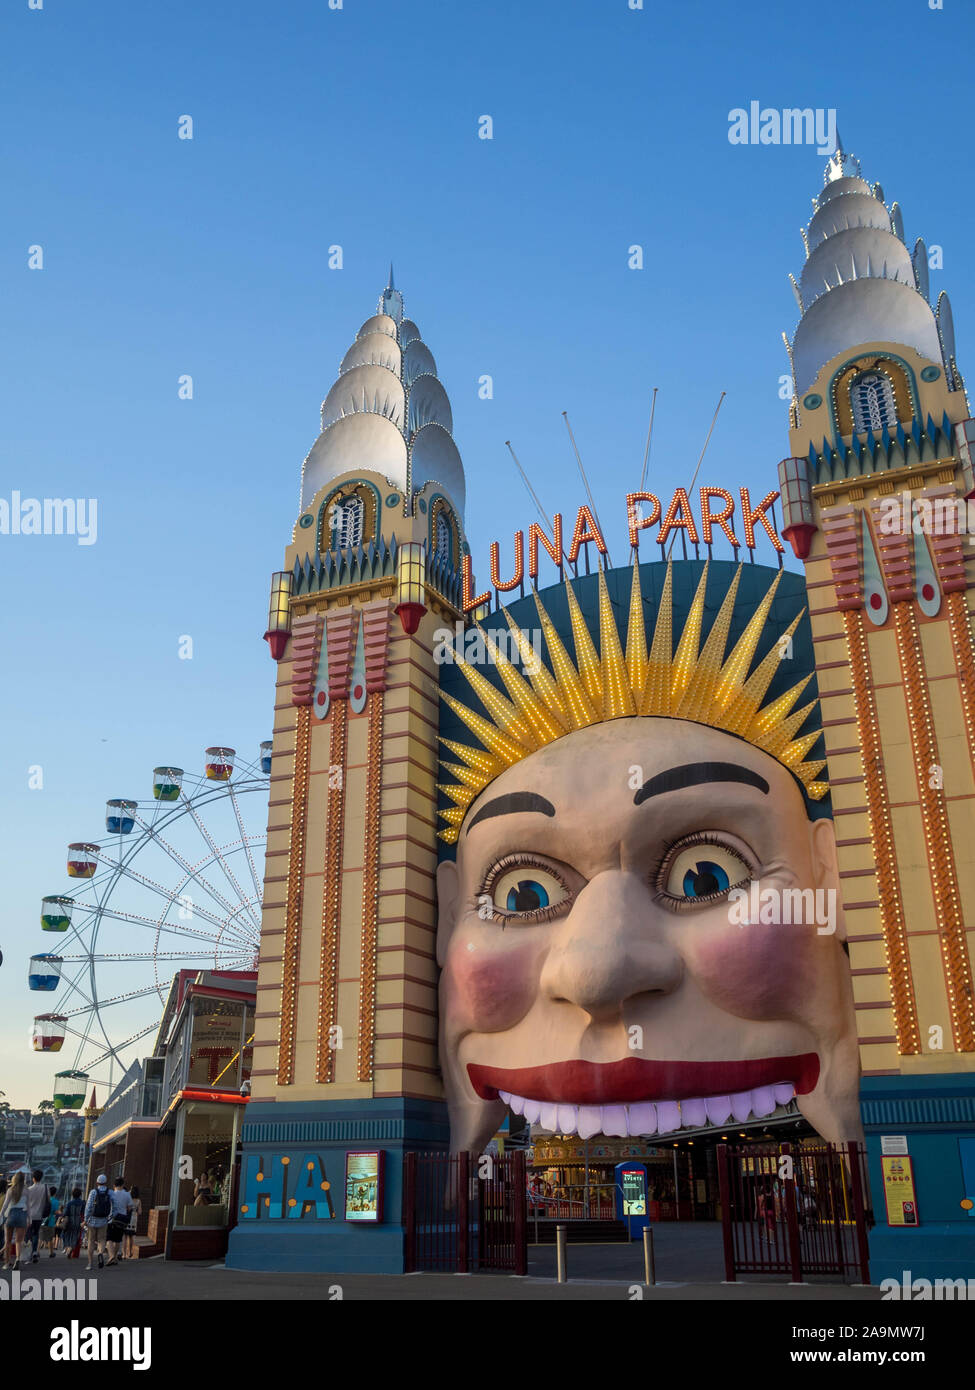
column 798, row 1212
column 465, row 1212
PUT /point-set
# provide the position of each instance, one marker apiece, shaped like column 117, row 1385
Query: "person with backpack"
column 13, row 1218
column 72, row 1217
column 98, row 1213
column 38, row 1209
column 121, row 1210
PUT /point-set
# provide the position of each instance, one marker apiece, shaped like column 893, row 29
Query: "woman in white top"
column 13, row 1218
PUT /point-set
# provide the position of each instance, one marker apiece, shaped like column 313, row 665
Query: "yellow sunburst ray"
column 655, row 698
column 578, row 706
column 636, row 635
column 685, row 658
column 616, row 694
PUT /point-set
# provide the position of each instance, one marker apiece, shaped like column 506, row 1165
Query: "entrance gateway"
column 445, row 943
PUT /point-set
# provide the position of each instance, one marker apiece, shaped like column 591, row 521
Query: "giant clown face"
column 597, row 964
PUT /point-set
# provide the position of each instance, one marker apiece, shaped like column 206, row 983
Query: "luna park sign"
column 717, row 512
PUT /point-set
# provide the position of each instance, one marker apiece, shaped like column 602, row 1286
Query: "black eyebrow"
column 693, row 774
column 513, row 801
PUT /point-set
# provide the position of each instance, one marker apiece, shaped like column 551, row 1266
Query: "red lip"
column 633, row 1080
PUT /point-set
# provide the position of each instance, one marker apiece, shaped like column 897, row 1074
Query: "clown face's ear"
column 448, row 902
column 826, row 872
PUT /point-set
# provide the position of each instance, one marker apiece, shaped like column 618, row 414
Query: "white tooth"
column 641, row 1119
column 719, row 1108
column 590, row 1120
column 505, row 1097
column 549, row 1117
column 693, row 1113
column 517, row 1104
column 533, row 1109
column 614, row 1120
column 783, row 1091
column 741, row 1105
column 763, row 1101
column 567, row 1119
column 668, row 1116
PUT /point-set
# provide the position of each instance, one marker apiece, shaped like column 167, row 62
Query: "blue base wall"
column 290, row 1148
column 937, row 1115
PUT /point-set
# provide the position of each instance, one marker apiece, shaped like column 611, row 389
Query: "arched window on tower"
column 347, row 522
column 873, row 403
column 441, row 548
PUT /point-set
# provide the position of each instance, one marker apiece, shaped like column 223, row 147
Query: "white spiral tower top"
column 860, row 283
column 388, row 412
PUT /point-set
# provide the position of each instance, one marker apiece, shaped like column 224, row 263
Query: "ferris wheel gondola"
column 176, row 883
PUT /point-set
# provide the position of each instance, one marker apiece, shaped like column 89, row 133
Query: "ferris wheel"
column 175, row 883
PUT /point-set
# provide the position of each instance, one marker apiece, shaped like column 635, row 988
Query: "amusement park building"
column 349, row 1075
column 176, row 1115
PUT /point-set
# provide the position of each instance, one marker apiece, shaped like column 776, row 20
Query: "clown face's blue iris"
column 705, row 878
column 528, row 895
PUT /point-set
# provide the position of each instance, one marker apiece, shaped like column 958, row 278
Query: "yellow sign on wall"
column 899, row 1190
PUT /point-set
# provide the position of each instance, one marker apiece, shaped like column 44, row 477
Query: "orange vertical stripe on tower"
column 881, row 831
column 370, row 890
column 292, row 930
column 332, row 894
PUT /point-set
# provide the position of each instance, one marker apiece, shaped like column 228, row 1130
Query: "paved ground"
column 689, row 1266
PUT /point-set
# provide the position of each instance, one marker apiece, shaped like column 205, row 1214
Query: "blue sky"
column 358, row 127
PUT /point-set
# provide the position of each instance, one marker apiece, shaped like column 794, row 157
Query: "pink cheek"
column 491, row 988
column 758, row 972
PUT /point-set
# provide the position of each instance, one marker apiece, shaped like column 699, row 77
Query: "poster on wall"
column 363, row 1186
column 899, row 1190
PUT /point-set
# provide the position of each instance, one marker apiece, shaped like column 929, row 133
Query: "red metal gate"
column 465, row 1212
column 794, row 1211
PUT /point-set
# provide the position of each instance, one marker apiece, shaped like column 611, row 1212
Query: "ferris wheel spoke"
column 243, row 839
column 171, row 895
column 188, row 868
column 113, row 1052
column 112, row 999
column 174, row 929
column 215, row 850
column 171, row 898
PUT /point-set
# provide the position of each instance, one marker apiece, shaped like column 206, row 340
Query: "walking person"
column 71, row 1219
column 49, row 1226
column 13, row 1216
column 121, row 1210
column 128, row 1246
column 98, row 1213
column 38, row 1209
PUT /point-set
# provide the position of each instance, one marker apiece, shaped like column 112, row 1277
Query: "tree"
column 45, row 1105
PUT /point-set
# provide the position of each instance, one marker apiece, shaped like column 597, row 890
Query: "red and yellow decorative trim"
column 892, row 920
column 306, row 637
column 375, row 636
column 341, row 644
column 370, row 890
column 841, row 531
column 292, row 930
column 332, row 894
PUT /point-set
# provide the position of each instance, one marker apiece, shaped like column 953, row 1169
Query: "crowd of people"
column 35, row 1219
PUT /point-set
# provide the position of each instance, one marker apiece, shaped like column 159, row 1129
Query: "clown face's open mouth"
column 635, row 1097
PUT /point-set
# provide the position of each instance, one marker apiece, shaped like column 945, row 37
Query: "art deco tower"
column 881, row 444
column 345, row 1049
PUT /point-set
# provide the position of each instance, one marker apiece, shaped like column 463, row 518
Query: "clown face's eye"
column 701, row 869
column 523, row 889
